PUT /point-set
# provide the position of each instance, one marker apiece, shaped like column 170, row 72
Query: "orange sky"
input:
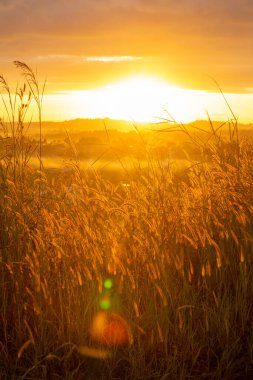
column 82, row 44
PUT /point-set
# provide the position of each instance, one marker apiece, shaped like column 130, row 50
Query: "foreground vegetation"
column 177, row 246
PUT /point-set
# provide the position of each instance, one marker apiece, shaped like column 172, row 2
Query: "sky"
column 84, row 47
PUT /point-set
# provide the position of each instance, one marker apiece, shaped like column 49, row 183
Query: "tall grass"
column 178, row 248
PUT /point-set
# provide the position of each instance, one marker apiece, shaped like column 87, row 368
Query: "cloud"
column 80, row 59
column 206, row 36
column 102, row 16
column 122, row 58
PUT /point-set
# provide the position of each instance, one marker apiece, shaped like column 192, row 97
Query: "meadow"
column 164, row 250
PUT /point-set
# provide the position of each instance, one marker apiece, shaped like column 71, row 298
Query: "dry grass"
column 178, row 248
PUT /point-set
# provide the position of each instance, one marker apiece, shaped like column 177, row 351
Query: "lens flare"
column 94, row 352
column 110, row 329
column 108, row 283
column 105, row 302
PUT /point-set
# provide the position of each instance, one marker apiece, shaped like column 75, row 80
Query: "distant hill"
column 81, row 125
column 77, row 126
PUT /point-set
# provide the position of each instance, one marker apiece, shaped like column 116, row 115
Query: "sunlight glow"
column 143, row 98
column 138, row 98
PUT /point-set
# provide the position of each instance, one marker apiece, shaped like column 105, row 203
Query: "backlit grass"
column 175, row 248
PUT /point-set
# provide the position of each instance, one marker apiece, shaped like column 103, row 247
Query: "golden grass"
column 178, row 248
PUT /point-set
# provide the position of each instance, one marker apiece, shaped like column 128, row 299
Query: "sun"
column 142, row 98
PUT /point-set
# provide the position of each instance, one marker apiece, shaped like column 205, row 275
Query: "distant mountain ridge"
column 77, row 126
column 107, row 123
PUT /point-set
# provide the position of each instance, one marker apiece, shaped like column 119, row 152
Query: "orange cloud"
column 181, row 40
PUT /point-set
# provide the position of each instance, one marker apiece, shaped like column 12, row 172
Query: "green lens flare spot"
column 108, row 283
column 105, row 303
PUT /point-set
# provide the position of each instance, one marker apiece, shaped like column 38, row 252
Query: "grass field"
column 165, row 259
